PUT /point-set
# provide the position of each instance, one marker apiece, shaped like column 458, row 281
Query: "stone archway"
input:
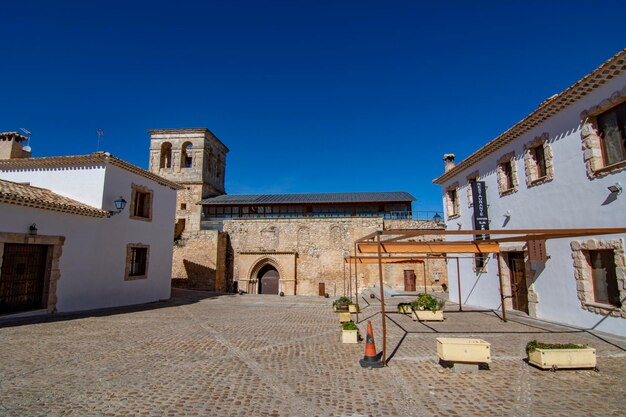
column 268, row 280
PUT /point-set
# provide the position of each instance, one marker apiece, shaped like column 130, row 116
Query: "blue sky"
column 310, row 96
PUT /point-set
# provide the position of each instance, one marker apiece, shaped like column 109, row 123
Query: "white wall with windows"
column 94, row 265
column 564, row 184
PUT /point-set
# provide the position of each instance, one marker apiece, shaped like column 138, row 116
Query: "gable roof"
column 601, row 75
column 41, row 198
column 318, row 198
column 78, row 160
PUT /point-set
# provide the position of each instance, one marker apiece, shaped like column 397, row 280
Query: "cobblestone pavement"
column 205, row 355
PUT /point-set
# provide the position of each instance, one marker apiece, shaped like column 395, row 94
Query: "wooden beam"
column 430, row 247
column 387, row 260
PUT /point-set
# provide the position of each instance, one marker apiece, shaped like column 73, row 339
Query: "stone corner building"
column 271, row 243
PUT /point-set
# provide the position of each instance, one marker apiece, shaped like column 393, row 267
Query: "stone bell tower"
column 194, row 158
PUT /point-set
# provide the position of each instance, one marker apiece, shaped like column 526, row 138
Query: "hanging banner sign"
column 481, row 216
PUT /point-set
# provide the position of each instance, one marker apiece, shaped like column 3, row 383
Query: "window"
column 603, row 135
column 452, row 201
column 141, row 203
column 183, row 206
column 507, row 174
column 600, row 272
column 186, row 159
column 612, row 132
column 538, row 161
column 602, row 263
column 480, row 262
column 136, row 261
column 166, row 155
column 473, row 177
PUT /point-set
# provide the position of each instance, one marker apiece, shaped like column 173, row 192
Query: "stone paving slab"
column 205, row 355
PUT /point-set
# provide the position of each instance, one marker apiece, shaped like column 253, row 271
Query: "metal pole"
column 425, row 274
column 424, row 265
column 501, row 290
column 344, row 277
column 356, row 285
column 350, row 281
column 458, row 277
column 382, row 301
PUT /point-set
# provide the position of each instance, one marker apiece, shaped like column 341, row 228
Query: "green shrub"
column 534, row 345
column 349, row 325
column 341, row 301
column 427, row 302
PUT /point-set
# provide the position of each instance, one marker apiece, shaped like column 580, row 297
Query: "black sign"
column 481, row 216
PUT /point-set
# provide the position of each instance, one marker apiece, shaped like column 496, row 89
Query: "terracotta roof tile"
column 76, row 160
column 29, row 196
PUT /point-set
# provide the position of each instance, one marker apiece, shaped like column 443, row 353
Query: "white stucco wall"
column 570, row 200
column 81, row 183
column 93, row 261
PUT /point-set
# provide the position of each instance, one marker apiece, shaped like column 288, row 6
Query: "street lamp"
column 120, row 203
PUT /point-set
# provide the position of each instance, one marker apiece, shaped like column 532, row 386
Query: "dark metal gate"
column 269, row 282
column 22, row 277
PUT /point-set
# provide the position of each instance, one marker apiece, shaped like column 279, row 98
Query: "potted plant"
column 554, row 356
column 405, row 308
column 427, row 308
column 349, row 332
column 341, row 304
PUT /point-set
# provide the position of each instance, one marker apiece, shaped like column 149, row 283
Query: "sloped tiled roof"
column 29, row 196
column 77, row 160
column 320, row 198
column 601, row 75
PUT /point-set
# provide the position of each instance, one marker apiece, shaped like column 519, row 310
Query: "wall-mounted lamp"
column 507, row 214
column 436, row 218
column 32, row 229
column 120, row 203
column 616, row 188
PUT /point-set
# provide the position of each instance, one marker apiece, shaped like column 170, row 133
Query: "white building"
column 560, row 167
column 64, row 248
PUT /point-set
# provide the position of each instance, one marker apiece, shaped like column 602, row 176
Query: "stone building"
column 271, row 243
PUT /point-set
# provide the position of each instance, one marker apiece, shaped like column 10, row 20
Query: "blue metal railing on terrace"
column 214, row 221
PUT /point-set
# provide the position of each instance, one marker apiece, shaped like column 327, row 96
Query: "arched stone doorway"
column 268, row 279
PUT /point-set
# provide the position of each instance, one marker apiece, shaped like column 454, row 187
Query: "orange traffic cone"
column 371, row 358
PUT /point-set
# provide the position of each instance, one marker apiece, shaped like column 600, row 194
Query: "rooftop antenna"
column 28, row 135
column 100, row 133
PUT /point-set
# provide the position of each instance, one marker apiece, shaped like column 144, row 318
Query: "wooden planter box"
column 563, row 358
column 427, row 315
column 461, row 349
column 344, row 317
column 342, row 307
column 352, row 308
column 349, row 336
column 405, row 310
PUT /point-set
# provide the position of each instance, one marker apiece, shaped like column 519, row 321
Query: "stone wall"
column 318, row 247
column 195, row 261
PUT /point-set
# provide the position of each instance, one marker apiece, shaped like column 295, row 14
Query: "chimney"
column 448, row 159
column 11, row 146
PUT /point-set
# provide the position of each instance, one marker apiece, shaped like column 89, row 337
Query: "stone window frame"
column 453, row 209
column 136, row 188
column 530, row 164
column 470, row 197
column 591, row 141
column 507, row 158
column 485, row 263
column 584, row 278
column 129, row 248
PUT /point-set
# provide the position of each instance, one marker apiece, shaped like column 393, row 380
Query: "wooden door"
column 269, row 282
column 517, row 273
column 22, row 277
column 409, row 280
column 322, row 289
